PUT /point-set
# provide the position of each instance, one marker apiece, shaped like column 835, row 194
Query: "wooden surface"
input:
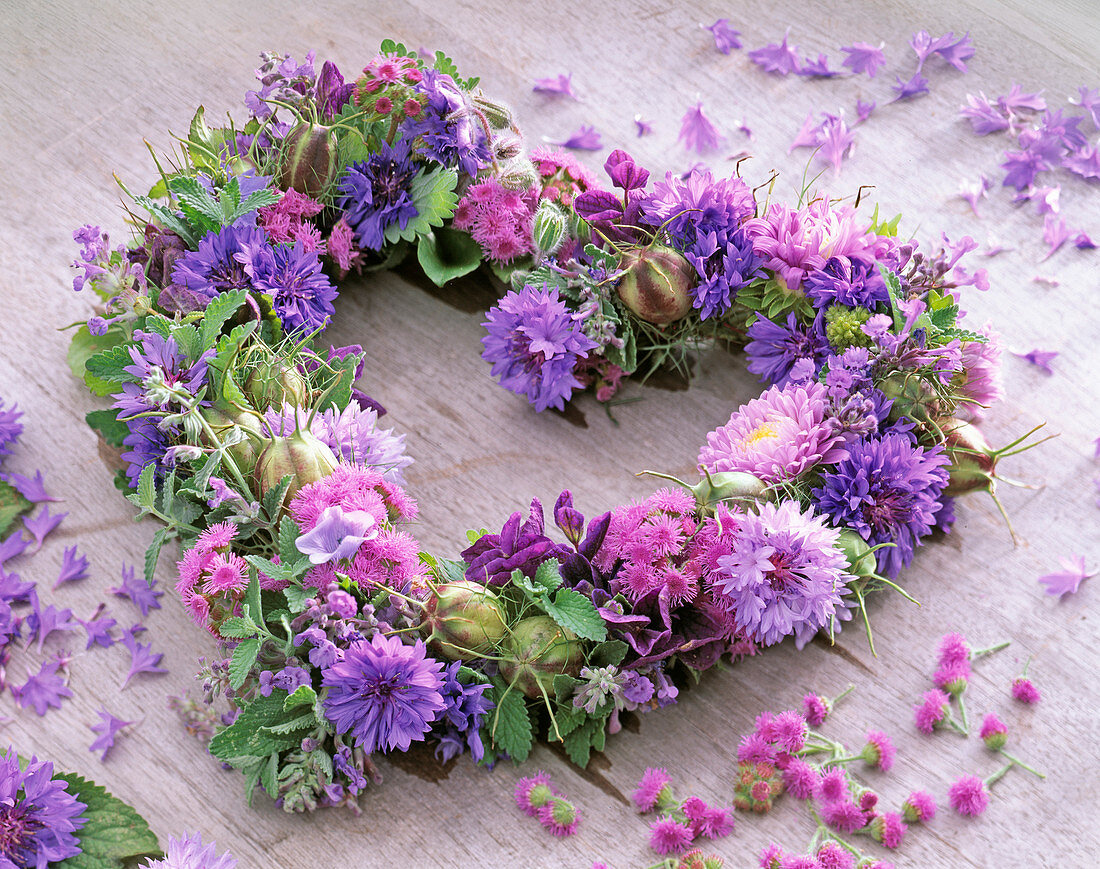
column 83, row 88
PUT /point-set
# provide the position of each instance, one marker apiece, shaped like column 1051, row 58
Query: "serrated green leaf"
column 433, row 194
column 111, row 365
column 152, row 554
column 253, row 599
column 272, row 500
column 302, row 722
column 511, row 729
column 256, row 200
column 146, row 487
column 296, row 597
column 451, row 571
column 575, row 612
column 240, row 665
column 269, row 772
column 221, row 308
column 106, row 422
column 303, row 695
column 113, row 831
column 238, row 628
column 170, row 220
column 548, row 574
column 83, row 346
column 289, row 532
column 267, row 567
column 196, row 202
column 12, row 505
column 242, row 738
column 579, row 743
column 159, row 324
column 963, row 335
column 609, row 653
column 446, row 254
column 338, row 388
column 187, row 339
column 893, row 287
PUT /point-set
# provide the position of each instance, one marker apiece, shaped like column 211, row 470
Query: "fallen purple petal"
column 956, row 53
column 1016, row 99
column 1039, row 358
column 1085, row 161
column 43, row 690
column 584, row 139
column 778, row 58
column 13, row 546
column 1021, row 167
column 73, row 567
column 1055, row 234
column 10, row 427
column 864, row 110
column 697, row 133
column 12, row 589
column 984, row 118
column 43, row 621
column 816, row 68
column 837, row 142
column 644, row 128
column 142, row 657
column 973, row 192
column 31, row 488
column 1047, row 280
column 810, row 136
column 98, row 628
column 107, row 728
column 560, row 85
column 42, row 524
column 725, row 37
column 915, row 87
column 1066, row 581
column 864, row 57
column 1089, row 100
column 1082, row 241
column 142, row 594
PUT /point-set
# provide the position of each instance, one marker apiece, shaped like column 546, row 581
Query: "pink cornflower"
column 879, row 750
column 968, row 796
column 919, row 808
column 651, row 788
column 931, row 711
column 1025, row 691
column 994, row 732
column 669, row 836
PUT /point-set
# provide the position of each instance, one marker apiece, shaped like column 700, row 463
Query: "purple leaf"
column 1039, row 358
column 142, row 658
column 725, row 37
column 697, row 132
column 625, row 173
column 31, row 488
column 778, row 58
column 1069, row 580
column 864, row 57
column 644, row 127
column 73, row 567
column 42, row 524
column 42, row 690
column 107, row 728
column 142, row 594
column 561, row 85
column 584, row 139
column 915, row 87
column 13, row 546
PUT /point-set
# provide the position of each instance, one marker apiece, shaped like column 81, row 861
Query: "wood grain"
column 85, row 83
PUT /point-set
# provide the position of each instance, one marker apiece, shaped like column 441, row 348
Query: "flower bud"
column 856, row 550
column 232, row 426
column 463, row 620
column 656, row 284
column 299, row 454
column 537, row 651
column 973, row 460
column 309, row 162
column 548, row 227
column 273, row 384
column 498, row 115
column 518, row 174
column 507, row 145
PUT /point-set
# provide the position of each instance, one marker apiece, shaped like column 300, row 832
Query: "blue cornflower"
column 888, row 491
column 533, row 343
column 774, row 348
column 300, row 291
column 725, row 263
column 852, row 282
column 375, row 194
column 698, row 203
column 446, row 130
column 217, row 267
column 38, row 815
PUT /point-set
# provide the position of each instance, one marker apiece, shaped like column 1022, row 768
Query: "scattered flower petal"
column 98, row 629
column 983, row 116
column 864, row 57
column 1016, row 99
column 837, row 141
column 1049, row 280
column 13, row 546
column 560, row 85
column 42, row 690
column 863, row 110
column 73, row 567
column 42, row 524
column 973, row 192
column 644, row 128
column 142, row 657
column 816, row 68
column 31, row 488
column 43, row 621
column 807, row 137
column 915, row 87
column 1089, row 100
column 142, row 594
column 107, row 728
column 584, row 139
column 725, row 37
column 1085, row 161
column 1069, row 580
column 697, row 132
column 1055, row 234
column 1081, row 241
column 1040, row 358
column 778, row 58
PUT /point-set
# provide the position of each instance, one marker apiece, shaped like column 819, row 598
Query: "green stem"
column 999, row 774
column 962, row 712
column 990, row 650
column 851, row 687
column 1020, row 763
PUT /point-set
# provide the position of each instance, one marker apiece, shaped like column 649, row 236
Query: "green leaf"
column 240, row 665
column 433, row 194
column 224, row 386
column 302, row 722
column 303, row 695
column 548, row 574
column 83, row 347
column 111, row 365
column 221, row 308
column 186, row 337
column 609, row 653
column 253, row 601
column 269, row 772
column 204, row 144
column 575, row 612
column 238, row 628
column 511, row 725
column 152, row 554
column 338, row 388
column 113, row 831
column 198, row 206
column 944, row 317
column 446, row 254
column 893, row 286
column 243, row 737
column 12, row 505
column 147, row 487
column 170, row 220
column 159, row 324
column 296, row 597
column 289, row 532
column 106, row 422
column 579, row 743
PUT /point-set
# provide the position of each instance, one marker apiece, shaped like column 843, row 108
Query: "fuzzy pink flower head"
column 648, row 793
column 879, row 750
column 1025, row 691
column 979, row 384
column 919, row 808
column 772, row 857
column 801, row 779
column 954, row 651
column 994, row 732
column 954, row 678
column 968, row 796
column 788, row 731
column 815, row 708
column 534, row 792
column 889, row 829
column 754, row 748
column 669, row 836
column 833, row 786
column 711, row 822
column 844, row 816
column 225, row 574
column 832, row 855
column 559, row 816
column 931, row 710
column 777, row 436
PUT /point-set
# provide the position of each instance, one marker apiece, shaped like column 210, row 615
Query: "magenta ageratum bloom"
column 968, row 796
column 777, row 436
column 384, row 694
column 533, row 343
column 785, row 573
column 38, row 816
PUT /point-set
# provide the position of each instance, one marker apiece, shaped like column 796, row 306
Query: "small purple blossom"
column 43, row 621
column 107, row 729
column 190, row 853
column 142, row 657
column 142, row 594
column 586, row 138
column 43, row 689
column 907, row 90
column 984, row 117
column 73, row 567
column 98, row 629
column 1040, row 358
column 643, row 128
column 725, row 37
column 42, row 524
column 779, row 58
column 337, row 535
column 819, row 68
column 301, row 293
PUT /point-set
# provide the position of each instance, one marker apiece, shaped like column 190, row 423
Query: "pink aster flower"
column 968, row 796
column 776, row 436
column 889, row 829
column 844, row 816
column 800, row 779
column 669, row 836
column 919, row 807
column 226, row 573
column 788, row 731
column 1024, row 690
column 651, row 788
column 879, row 750
column 697, row 132
column 832, row 855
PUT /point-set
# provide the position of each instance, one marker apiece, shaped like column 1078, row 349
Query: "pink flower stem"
column 1020, row 763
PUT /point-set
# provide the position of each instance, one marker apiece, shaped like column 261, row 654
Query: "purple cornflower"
column 698, row 204
column 38, row 816
column 42, row 689
column 779, row 58
column 301, row 293
column 73, row 567
column 534, row 343
column 773, row 348
column 863, row 57
column 816, row 68
column 446, row 130
column 462, row 716
column 384, row 694
column 41, row 524
column 724, row 266
column 725, row 37
column 1021, row 167
column 107, row 728
column 785, row 573
column 142, row 657
column 10, row 427
column 697, row 133
column 849, row 281
column 376, row 194
column 217, row 266
column 887, row 490
column 190, row 853
column 142, row 594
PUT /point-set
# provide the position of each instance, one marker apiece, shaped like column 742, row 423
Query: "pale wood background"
column 84, row 83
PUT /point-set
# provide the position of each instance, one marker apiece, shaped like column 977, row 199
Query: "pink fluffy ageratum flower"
column 954, row 650
column 801, row 779
column 833, row 786
column 919, row 808
column 669, row 836
column 776, row 436
column 648, row 793
column 844, row 816
column 499, row 219
column 968, row 796
column 815, row 708
column 1025, row 691
column 889, row 829
column 879, row 750
column 994, row 732
column 931, row 710
column 559, row 816
column 533, row 792
column 832, row 855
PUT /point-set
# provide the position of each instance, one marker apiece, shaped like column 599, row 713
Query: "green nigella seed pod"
column 537, row 651
column 463, row 620
column 656, row 284
column 730, row 486
column 225, row 423
column 299, row 454
column 273, row 384
column 310, row 161
column 913, row 397
column 548, row 227
column 973, row 461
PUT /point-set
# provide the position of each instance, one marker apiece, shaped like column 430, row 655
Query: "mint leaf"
column 110, row 365
column 548, row 574
column 244, row 657
column 106, row 422
column 580, row 742
column 511, row 725
column 152, row 554
column 573, row 611
column 113, row 831
column 304, row 695
column 289, row 532
column 243, row 738
column 237, row 628
column 12, row 505
column 221, row 308
column 85, row 345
